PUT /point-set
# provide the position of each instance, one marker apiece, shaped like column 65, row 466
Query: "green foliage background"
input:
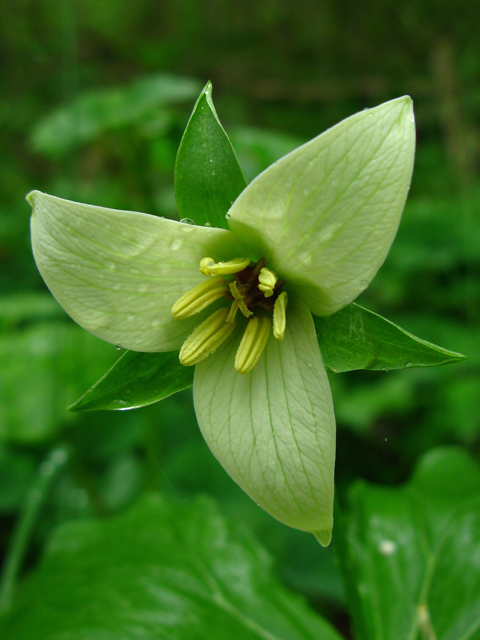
column 95, row 97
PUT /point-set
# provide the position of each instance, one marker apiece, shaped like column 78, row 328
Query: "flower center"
column 255, row 290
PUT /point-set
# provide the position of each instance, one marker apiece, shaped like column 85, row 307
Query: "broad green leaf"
column 135, row 380
column 97, row 112
column 325, row 215
column 273, row 429
column 118, row 273
column 208, row 178
column 355, row 338
column 161, row 571
column 411, row 555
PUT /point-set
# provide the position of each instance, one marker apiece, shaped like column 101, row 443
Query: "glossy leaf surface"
column 411, row 555
column 208, row 178
column 160, row 571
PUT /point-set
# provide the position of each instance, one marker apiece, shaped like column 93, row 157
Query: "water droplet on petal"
column 109, row 265
column 227, row 216
column 364, row 284
column 130, row 318
column 187, row 221
column 175, row 244
column 207, row 224
column 118, row 347
column 408, row 364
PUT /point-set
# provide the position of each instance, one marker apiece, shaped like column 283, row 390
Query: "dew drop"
column 207, row 224
column 130, row 318
column 175, row 244
column 227, row 216
column 187, row 221
column 213, row 172
column 211, row 159
column 118, row 347
column 155, row 323
column 364, row 284
column 408, row 364
column 142, row 288
column 109, row 265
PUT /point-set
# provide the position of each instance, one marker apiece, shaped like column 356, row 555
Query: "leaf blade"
column 356, row 338
column 166, row 570
column 136, row 380
column 208, row 178
column 404, row 551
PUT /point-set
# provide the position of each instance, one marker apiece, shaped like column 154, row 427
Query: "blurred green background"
column 95, row 96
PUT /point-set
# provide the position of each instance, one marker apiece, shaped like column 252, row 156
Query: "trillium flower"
column 305, row 237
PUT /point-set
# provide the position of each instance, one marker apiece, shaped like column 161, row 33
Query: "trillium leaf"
column 410, row 556
column 160, row 571
column 118, row 273
column 355, row 338
column 273, row 429
column 135, row 380
column 325, row 215
column 208, row 177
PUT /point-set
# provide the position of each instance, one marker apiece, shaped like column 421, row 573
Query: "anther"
column 267, row 281
column 206, row 338
column 252, row 344
column 209, row 267
column 279, row 316
column 200, row 297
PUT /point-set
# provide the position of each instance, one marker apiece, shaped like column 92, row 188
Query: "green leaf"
column 410, row 556
column 208, row 178
column 97, row 112
column 355, row 338
column 135, row 380
column 161, row 571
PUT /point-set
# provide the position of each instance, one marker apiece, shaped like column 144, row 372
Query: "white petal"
column 325, row 215
column 273, row 429
column 118, row 273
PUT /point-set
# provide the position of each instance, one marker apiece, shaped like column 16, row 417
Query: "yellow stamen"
column 200, row 297
column 279, row 316
column 206, row 338
column 209, row 267
column 233, row 312
column 267, row 281
column 241, row 302
column 252, row 344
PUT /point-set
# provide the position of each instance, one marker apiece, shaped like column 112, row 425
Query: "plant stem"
column 36, row 496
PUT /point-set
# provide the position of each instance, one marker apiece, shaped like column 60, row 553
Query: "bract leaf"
column 160, row 571
column 118, row 273
column 411, row 556
column 325, row 215
column 356, row 338
column 208, row 177
column 135, row 380
column 273, row 429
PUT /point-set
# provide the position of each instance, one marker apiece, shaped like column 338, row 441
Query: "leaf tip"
column 323, row 536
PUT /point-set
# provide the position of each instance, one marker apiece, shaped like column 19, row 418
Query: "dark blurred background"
column 95, row 95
